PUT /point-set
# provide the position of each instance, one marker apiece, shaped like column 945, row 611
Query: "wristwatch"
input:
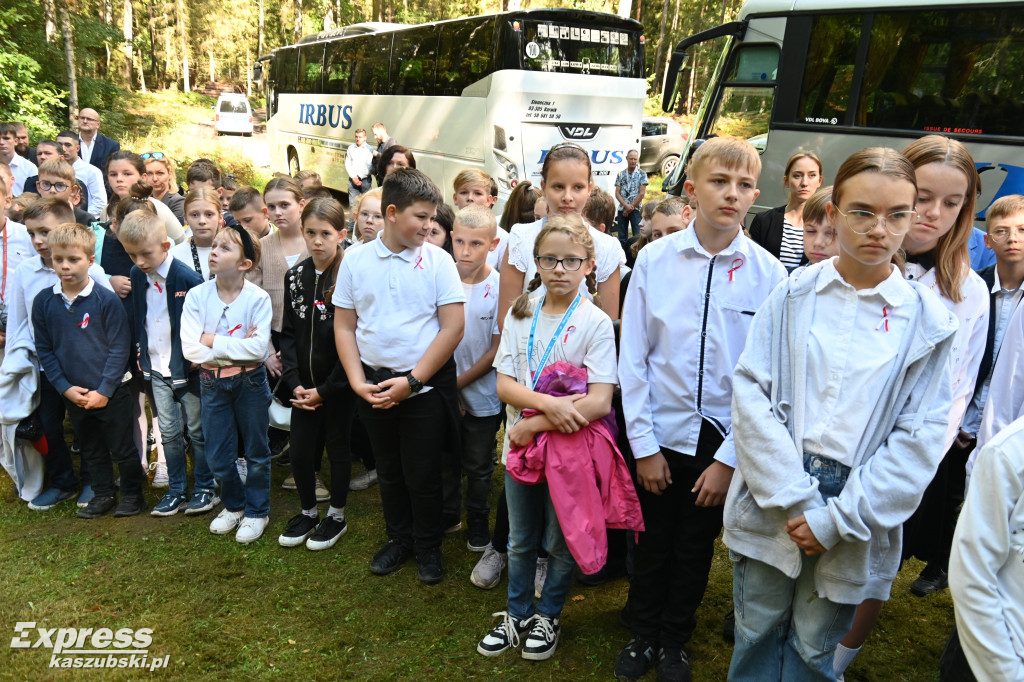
column 415, row 385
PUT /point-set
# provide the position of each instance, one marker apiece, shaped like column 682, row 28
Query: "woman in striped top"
column 780, row 230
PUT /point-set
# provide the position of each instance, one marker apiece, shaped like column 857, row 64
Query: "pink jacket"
column 589, row 483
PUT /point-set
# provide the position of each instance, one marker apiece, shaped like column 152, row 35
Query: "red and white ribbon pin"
column 85, row 321
column 568, row 331
column 884, row 322
column 487, row 290
column 234, row 329
column 736, row 265
column 419, row 264
column 158, row 287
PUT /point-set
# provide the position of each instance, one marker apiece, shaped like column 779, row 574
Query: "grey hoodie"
column 861, row 528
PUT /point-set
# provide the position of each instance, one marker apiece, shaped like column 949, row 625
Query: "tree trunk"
column 69, row 62
column 213, row 67
column 675, row 19
column 50, row 18
column 129, row 56
column 659, row 68
column 108, row 19
column 180, row 11
column 297, row 29
column 151, row 17
column 142, row 76
column 639, row 3
column 248, row 75
column 262, row 44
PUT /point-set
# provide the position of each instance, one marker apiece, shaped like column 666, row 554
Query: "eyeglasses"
column 898, row 223
column 571, row 264
column 87, row 119
column 152, row 155
column 46, row 186
column 1001, row 234
column 366, row 215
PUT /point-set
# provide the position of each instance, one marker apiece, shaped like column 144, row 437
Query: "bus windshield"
column 575, row 47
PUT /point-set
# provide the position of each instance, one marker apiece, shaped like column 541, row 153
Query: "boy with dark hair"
column 77, row 322
column 21, row 168
column 599, row 210
column 92, row 177
column 396, row 345
column 250, row 211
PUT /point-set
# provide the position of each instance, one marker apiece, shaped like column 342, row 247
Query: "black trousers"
column 105, row 439
column 673, row 555
column 330, row 426
column 60, row 471
column 928, row 533
column 408, row 441
column 953, row 666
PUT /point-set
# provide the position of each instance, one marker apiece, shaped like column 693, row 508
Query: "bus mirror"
column 257, row 72
column 673, row 74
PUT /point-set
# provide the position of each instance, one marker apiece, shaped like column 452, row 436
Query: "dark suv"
column 662, row 144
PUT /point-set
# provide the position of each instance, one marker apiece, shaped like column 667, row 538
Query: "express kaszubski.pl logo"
column 91, row 648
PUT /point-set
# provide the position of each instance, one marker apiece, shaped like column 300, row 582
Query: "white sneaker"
column 364, row 480
column 540, row 577
column 160, row 478
column 243, row 468
column 322, row 493
column 226, row 521
column 487, row 572
column 251, row 530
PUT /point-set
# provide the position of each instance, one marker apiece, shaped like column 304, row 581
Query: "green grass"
column 224, row 611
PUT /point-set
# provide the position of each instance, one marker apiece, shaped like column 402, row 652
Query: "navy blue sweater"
column 86, row 345
column 180, row 278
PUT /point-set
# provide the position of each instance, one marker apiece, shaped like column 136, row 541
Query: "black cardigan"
column 308, row 351
column 766, row 231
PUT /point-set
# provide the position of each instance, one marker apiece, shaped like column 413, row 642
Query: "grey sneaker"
column 487, row 572
column 364, row 480
column 540, row 577
column 322, row 493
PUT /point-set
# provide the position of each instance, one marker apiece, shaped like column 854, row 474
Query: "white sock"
column 337, row 512
column 312, row 513
column 843, row 658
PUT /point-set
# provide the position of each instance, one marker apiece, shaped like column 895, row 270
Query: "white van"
column 233, row 114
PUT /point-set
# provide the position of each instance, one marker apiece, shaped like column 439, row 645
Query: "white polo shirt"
column 396, row 297
column 93, row 179
column 22, row 169
column 609, row 256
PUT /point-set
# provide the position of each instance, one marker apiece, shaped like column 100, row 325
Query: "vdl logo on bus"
column 326, row 114
column 578, row 131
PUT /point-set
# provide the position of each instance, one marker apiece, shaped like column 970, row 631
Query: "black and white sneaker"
column 327, row 533
column 542, row 640
column 298, row 529
column 635, row 660
column 506, row 635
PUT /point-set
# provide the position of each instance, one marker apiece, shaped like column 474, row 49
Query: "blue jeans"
column 232, row 405
column 784, row 630
column 624, row 223
column 531, row 519
column 169, row 402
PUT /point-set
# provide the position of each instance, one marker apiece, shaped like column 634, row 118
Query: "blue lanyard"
column 535, row 377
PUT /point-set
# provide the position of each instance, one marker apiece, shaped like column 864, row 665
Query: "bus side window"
column 414, row 61
column 465, row 55
column 372, row 63
column 831, row 59
column 338, row 67
column 285, row 70
column 310, row 68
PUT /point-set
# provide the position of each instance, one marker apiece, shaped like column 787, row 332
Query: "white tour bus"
column 492, row 92
column 835, row 76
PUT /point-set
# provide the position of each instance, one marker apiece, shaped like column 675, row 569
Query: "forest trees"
column 106, row 46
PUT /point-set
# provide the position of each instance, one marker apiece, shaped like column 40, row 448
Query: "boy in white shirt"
column 474, row 238
column 986, row 574
column 678, row 350
column 15, row 247
column 396, row 342
column 474, row 187
column 32, row 276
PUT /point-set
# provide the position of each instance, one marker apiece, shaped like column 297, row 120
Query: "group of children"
column 805, row 413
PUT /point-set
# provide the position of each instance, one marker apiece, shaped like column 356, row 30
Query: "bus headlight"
column 511, row 178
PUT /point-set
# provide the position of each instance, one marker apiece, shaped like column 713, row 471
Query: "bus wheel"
column 668, row 164
column 293, row 162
